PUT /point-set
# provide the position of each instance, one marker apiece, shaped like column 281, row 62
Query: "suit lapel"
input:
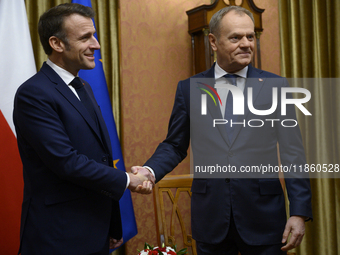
column 102, row 126
column 255, row 81
column 213, row 109
column 69, row 96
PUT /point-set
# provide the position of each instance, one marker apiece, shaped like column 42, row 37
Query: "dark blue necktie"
column 228, row 114
column 84, row 97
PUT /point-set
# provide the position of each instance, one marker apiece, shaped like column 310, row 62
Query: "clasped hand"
column 141, row 180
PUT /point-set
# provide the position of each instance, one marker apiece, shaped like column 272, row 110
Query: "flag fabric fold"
column 96, row 78
column 16, row 66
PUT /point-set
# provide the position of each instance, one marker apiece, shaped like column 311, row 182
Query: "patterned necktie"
column 84, row 97
column 228, row 114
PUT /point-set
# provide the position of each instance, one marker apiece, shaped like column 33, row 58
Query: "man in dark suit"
column 246, row 213
column 71, row 190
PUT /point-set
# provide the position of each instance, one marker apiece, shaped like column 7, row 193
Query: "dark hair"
column 214, row 24
column 51, row 22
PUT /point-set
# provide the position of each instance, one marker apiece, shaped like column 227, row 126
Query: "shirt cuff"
column 128, row 181
column 151, row 170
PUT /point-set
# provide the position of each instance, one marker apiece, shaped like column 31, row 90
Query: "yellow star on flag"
column 114, row 163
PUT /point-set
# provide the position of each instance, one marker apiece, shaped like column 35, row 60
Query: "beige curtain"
column 106, row 21
column 310, row 47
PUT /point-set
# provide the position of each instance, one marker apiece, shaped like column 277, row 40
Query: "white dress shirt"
column 220, row 81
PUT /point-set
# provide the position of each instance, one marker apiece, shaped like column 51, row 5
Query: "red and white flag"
column 16, row 66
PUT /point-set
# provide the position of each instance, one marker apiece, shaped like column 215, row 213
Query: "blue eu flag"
column 96, row 78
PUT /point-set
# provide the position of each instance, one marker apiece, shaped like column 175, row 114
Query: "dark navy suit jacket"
column 71, row 190
column 257, row 204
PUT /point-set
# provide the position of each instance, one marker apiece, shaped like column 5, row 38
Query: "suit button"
column 230, row 154
column 227, row 180
column 104, row 159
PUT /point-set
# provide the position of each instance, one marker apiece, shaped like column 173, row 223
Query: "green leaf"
column 147, row 246
column 159, row 252
column 182, row 252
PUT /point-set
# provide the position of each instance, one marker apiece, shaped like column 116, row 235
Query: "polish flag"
column 16, row 66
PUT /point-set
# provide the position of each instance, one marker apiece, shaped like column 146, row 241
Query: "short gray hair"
column 214, row 24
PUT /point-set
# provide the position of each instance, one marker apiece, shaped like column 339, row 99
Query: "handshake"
column 141, row 180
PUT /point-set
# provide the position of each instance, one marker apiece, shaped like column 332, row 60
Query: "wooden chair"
column 172, row 208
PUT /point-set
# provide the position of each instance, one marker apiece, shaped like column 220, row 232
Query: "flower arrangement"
column 150, row 250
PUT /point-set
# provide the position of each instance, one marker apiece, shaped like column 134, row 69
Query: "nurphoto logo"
column 238, row 104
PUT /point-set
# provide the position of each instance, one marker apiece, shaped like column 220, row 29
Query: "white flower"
column 169, row 249
column 144, row 252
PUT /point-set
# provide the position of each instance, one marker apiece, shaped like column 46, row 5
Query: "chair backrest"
column 172, row 208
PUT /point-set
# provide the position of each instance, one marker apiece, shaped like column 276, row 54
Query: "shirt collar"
column 219, row 72
column 66, row 76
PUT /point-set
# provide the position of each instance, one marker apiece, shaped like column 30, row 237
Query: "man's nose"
column 244, row 42
column 94, row 43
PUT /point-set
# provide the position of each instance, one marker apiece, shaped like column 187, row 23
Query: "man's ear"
column 56, row 44
column 213, row 41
